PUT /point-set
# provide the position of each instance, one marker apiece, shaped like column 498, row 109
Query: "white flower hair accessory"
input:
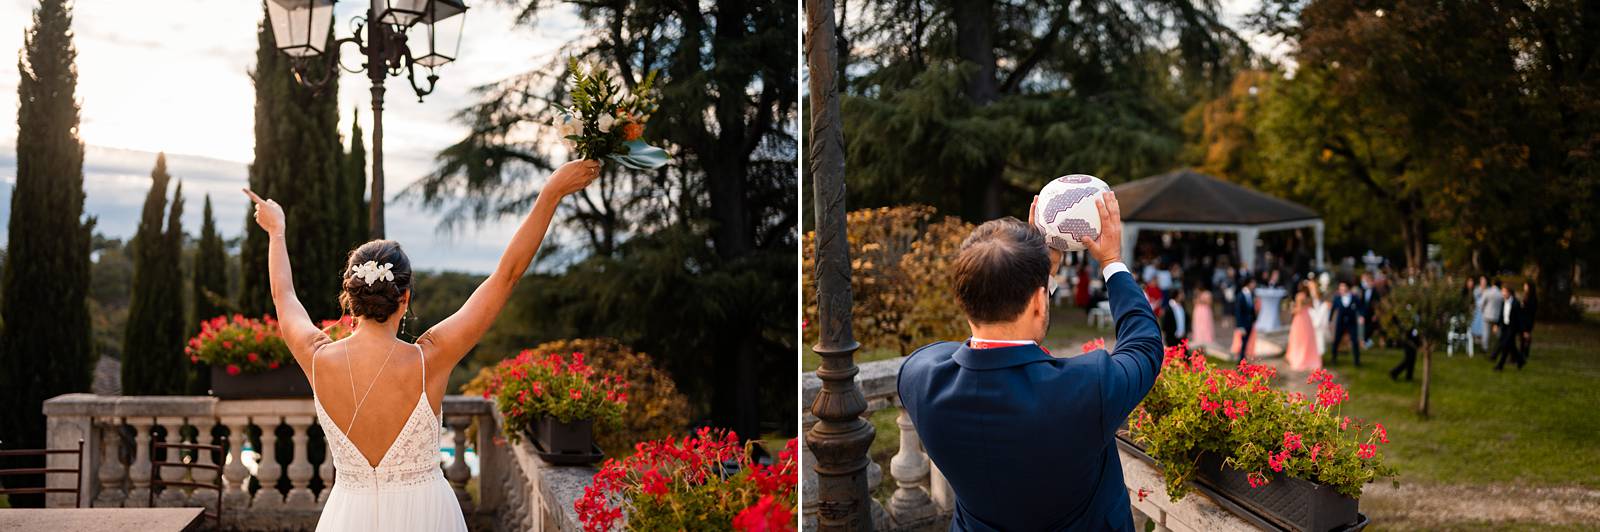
column 371, row 272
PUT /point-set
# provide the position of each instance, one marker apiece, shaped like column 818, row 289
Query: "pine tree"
column 298, row 162
column 45, row 348
column 355, row 186
column 210, row 272
column 152, row 344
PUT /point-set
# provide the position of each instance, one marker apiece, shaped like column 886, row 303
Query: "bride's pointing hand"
column 268, row 214
column 572, row 177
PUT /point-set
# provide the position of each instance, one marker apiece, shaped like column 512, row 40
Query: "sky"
column 174, row 78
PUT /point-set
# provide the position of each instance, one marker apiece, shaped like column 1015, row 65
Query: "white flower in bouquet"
column 605, row 123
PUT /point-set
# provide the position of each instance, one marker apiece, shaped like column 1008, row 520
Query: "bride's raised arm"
column 294, row 324
column 451, row 338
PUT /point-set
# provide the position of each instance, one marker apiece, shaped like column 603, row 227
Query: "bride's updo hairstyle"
column 379, row 300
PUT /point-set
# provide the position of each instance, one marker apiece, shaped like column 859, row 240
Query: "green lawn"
column 1532, row 427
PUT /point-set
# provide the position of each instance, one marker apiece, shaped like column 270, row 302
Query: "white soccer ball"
column 1066, row 212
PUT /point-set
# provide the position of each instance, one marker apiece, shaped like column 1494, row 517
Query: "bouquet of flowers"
column 239, row 344
column 528, row 387
column 606, row 123
column 1264, row 432
column 701, row 482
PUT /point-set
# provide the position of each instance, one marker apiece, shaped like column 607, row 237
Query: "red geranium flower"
column 765, row 516
column 233, row 369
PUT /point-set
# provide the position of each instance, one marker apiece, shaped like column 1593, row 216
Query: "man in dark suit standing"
column 1026, row 439
column 1174, row 320
column 1347, row 316
column 1368, row 325
column 1244, row 314
column 1512, row 323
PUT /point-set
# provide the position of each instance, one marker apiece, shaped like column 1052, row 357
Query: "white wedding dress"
column 406, row 492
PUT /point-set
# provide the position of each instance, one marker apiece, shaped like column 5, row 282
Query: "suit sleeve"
column 1136, row 361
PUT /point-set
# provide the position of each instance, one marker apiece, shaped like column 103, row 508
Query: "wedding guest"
column 1153, row 295
column 1368, row 327
column 1347, row 316
column 1204, row 325
column 1409, row 345
column 1080, row 290
column 1511, row 316
column 1320, row 309
column 1174, row 322
column 1244, row 319
column 1301, row 352
column 1491, row 304
column 1025, row 439
column 1530, row 311
column 1477, row 328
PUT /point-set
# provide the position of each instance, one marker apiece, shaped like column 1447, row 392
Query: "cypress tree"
column 210, row 272
column 355, row 186
column 45, row 347
column 298, row 162
column 152, row 344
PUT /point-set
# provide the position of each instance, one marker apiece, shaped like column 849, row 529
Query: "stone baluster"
column 112, row 474
column 204, row 497
column 300, row 496
column 236, row 495
column 1140, row 521
column 172, row 495
column 139, row 471
column 328, row 474
column 909, row 467
column 458, row 473
column 268, row 469
column 492, row 460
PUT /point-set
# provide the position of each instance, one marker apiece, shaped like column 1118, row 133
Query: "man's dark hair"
column 1000, row 266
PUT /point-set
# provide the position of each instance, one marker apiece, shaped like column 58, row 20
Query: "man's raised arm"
column 1137, row 358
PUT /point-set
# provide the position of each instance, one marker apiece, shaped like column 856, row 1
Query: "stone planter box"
column 286, row 382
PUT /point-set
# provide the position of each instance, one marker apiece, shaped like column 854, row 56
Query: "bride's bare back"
column 344, row 370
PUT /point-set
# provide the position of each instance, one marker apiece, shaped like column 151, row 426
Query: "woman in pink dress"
column 1202, row 331
column 1302, row 350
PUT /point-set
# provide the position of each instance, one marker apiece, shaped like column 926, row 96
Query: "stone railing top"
column 876, row 379
column 559, row 486
column 84, row 404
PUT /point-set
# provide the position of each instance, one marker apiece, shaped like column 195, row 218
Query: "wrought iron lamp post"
column 401, row 36
column 840, row 439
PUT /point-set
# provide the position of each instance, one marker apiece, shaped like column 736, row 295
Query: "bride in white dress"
column 378, row 398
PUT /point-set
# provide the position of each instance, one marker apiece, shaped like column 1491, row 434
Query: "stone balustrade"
column 922, row 499
column 276, row 471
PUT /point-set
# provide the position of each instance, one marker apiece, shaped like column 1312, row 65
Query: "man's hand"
column 1108, row 248
column 1055, row 254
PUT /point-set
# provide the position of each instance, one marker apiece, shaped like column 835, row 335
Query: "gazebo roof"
column 1189, row 197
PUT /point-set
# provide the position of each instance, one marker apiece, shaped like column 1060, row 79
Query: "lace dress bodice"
column 412, row 460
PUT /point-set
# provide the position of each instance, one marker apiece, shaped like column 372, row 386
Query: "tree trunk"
column 1427, row 377
column 974, row 21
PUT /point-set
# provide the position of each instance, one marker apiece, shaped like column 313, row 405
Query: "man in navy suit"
column 1348, row 315
column 1025, row 439
column 1244, row 314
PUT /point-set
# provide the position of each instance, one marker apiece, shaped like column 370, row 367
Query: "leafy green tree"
column 210, row 280
column 968, row 104
column 152, row 342
column 1428, row 306
column 719, row 219
column 298, row 162
column 45, row 347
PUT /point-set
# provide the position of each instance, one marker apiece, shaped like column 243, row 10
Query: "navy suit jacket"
column 1027, row 440
column 1346, row 314
column 1244, row 310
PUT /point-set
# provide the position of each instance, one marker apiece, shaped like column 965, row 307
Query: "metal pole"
column 840, row 439
column 377, row 69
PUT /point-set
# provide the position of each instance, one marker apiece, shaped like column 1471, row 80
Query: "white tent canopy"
column 1190, row 201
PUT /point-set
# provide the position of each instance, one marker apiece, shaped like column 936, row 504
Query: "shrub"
column 900, row 280
column 701, row 482
column 1195, row 409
